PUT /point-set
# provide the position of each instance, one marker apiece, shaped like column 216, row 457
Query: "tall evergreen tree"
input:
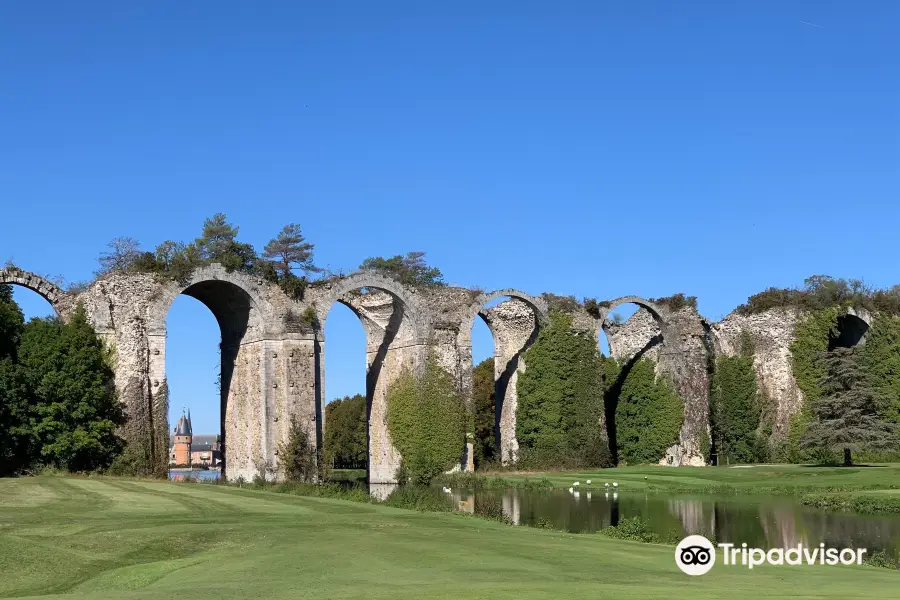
column 736, row 407
column 289, row 250
column 846, row 415
column 560, row 404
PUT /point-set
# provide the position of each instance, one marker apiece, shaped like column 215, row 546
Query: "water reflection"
column 760, row 522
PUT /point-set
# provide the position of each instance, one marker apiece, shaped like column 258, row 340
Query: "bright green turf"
column 107, row 538
column 743, row 479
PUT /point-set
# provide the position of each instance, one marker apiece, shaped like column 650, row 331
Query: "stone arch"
column 46, row 289
column 338, row 291
column 659, row 313
column 244, row 317
column 537, row 304
column 672, row 350
column 509, row 344
column 396, row 329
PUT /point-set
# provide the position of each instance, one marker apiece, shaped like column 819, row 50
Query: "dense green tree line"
column 58, row 404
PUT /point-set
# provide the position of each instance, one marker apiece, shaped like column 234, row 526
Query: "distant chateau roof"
column 184, row 425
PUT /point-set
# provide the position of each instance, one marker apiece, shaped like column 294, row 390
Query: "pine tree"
column 289, row 250
column 846, row 415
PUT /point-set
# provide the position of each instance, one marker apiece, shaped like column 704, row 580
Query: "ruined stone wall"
column 773, row 332
column 274, row 353
column 681, row 354
column 513, row 324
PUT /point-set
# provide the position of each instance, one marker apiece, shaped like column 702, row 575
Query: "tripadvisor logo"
column 696, row 555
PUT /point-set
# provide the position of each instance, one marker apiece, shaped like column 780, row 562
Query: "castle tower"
column 183, row 436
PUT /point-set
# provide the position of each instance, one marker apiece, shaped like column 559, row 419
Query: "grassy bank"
column 107, row 538
column 755, row 479
column 866, row 502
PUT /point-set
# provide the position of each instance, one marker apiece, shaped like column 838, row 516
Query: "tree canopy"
column 846, row 416
column 346, row 432
column 409, row 270
column 58, row 404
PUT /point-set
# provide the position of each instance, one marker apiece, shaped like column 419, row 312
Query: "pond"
column 176, row 474
column 763, row 522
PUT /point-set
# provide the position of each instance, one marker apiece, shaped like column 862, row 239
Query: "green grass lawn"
column 742, row 479
column 109, row 538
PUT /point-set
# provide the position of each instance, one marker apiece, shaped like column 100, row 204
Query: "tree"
column 297, row 454
column 735, row 409
column 846, row 415
column 346, row 432
column 12, row 322
column 75, row 411
column 483, row 398
column 426, row 419
column 560, row 404
column 15, row 441
column 410, row 269
column 123, row 252
column 648, row 415
column 218, row 244
column 290, row 250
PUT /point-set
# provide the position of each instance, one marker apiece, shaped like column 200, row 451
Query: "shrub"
column 297, row 455
column 635, row 529
column 421, row 498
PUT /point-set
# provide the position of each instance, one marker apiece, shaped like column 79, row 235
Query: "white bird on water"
column 615, row 485
column 606, row 484
column 588, row 482
column 571, row 490
column 447, row 490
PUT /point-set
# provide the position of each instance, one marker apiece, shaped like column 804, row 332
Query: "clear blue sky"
column 589, row 148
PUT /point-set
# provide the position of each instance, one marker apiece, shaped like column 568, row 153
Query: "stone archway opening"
column 503, row 326
column 212, row 380
column 392, row 343
column 633, row 330
column 346, row 448
column 850, row 331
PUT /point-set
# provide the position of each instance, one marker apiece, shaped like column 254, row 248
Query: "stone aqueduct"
column 273, row 354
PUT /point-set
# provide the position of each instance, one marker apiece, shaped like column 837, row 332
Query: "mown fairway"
column 107, row 538
column 742, row 479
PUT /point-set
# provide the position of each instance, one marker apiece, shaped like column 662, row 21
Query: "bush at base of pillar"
column 426, row 420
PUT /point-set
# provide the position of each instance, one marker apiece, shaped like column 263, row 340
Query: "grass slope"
column 743, row 479
column 108, row 538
